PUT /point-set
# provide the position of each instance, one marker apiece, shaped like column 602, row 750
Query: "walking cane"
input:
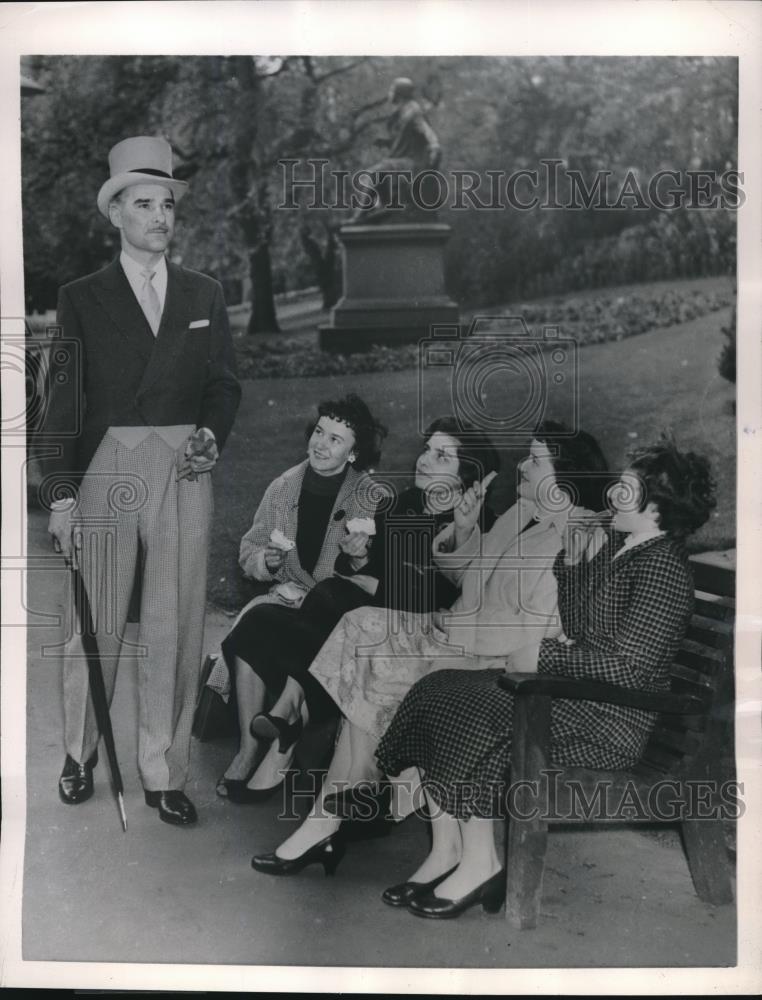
column 97, row 687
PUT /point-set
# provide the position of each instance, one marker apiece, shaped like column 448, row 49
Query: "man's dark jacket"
column 108, row 369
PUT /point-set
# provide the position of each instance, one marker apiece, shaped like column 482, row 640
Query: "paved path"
column 161, row 894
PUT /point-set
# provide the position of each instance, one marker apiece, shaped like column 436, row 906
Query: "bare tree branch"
column 338, row 70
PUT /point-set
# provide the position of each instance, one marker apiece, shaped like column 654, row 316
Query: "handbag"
column 213, row 718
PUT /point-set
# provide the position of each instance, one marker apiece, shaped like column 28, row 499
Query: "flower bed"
column 592, row 319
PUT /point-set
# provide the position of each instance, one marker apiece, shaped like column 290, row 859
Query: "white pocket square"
column 198, row 323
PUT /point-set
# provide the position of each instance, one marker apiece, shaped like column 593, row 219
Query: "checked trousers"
column 132, row 512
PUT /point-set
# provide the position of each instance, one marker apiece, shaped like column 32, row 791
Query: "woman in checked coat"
column 625, row 597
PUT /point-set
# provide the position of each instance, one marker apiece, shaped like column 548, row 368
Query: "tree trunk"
column 323, row 264
column 263, row 318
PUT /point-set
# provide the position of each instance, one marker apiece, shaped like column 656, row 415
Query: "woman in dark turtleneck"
column 299, row 530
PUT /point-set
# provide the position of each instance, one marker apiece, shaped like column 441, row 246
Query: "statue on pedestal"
column 413, row 148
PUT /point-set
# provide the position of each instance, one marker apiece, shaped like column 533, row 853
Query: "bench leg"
column 527, row 831
column 526, row 864
column 708, row 860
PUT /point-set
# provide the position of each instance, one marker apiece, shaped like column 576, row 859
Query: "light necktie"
column 149, row 301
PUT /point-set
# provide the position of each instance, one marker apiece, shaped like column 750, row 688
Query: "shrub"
column 591, row 319
column 726, row 363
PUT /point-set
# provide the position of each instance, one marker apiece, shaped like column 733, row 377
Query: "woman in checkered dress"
column 625, row 596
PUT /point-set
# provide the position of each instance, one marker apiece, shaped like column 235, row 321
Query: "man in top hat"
column 142, row 398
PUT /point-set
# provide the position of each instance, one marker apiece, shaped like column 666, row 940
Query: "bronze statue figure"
column 413, row 148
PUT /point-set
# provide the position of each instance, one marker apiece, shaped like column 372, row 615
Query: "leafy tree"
column 254, row 112
column 232, row 119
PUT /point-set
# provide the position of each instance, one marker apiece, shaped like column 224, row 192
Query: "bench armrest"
column 551, row 685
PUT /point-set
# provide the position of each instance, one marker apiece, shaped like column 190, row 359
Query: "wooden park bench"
column 693, row 730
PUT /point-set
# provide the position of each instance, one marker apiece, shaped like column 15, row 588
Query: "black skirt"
column 278, row 642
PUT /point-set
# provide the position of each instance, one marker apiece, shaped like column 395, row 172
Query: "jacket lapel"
column 291, row 503
column 115, row 296
column 170, row 340
column 348, row 487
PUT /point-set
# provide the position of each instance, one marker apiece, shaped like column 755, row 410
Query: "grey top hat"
column 142, row 159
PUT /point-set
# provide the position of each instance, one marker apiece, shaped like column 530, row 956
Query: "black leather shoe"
column 227, row 788
column 403, row 893
column 327, row 852
column 174, row 807
column 242, row 795
column 76, row 782
column 269, row 727
column 491, row 894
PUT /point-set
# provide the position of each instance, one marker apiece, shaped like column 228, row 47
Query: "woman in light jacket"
column 300, row 530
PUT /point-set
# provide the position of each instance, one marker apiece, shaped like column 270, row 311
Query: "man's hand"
column 201, row 454
column 355, row 545
column 64, row 541
column 466, row 513
column 274, row 558
column 584, row 534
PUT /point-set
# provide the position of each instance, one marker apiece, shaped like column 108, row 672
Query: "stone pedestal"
column 393, row 287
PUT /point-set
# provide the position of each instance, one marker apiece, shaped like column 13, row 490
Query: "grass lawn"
column 629, row 391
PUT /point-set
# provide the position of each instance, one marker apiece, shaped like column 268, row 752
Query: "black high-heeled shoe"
column 405, row 892
column 269, row 727
column 328, row 852
column 229, row 788
column 491, row 894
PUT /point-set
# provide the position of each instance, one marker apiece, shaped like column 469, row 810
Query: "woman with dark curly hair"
column 453, row 457
column 625, row 597
column 305, row 523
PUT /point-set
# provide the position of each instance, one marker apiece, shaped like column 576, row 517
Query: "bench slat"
column 712, row 577
column 687, row 680
column 712, row 632
column 714, row 606
column 681, row 743
column 695, row 723
column 701, row 659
